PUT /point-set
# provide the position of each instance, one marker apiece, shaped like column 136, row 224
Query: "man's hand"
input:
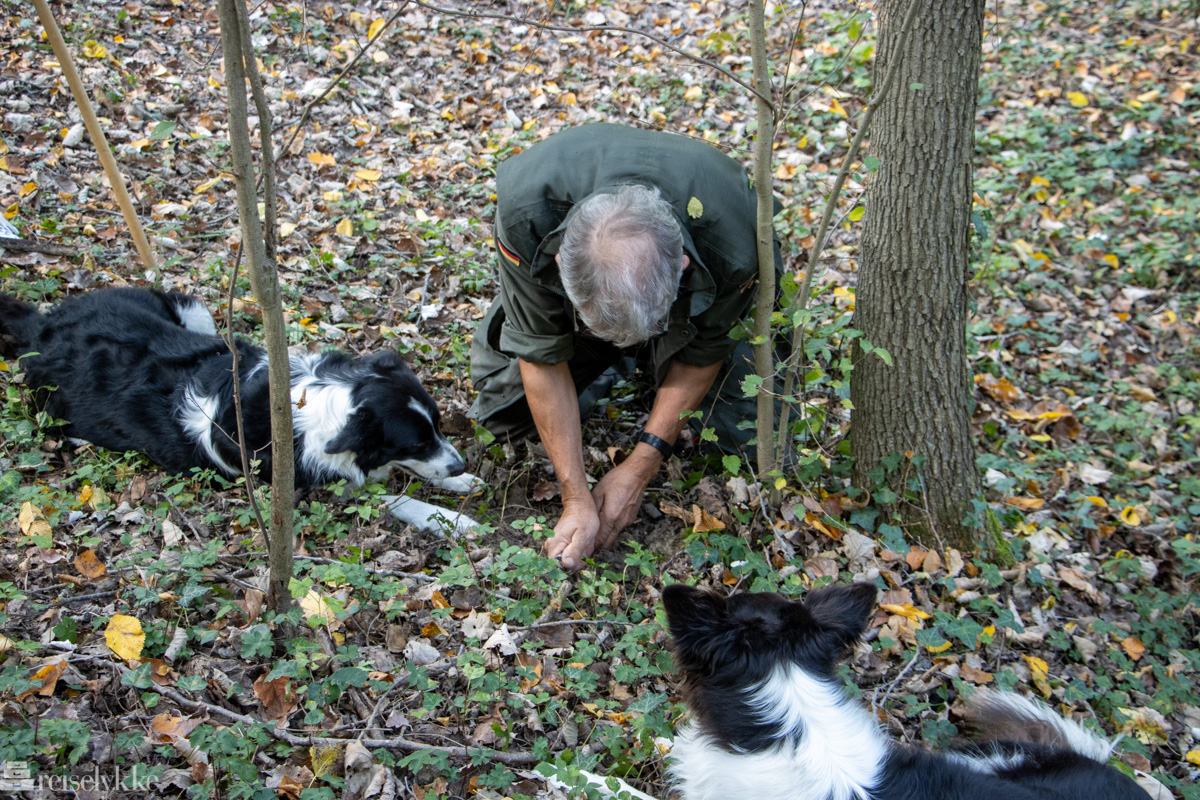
column 619, row 494
column 575, row 534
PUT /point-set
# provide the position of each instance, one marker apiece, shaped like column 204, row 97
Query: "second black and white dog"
column 144, row 370
column 771, row 721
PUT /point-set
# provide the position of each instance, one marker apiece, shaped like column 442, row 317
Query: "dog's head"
column 395, row 423
column 754, row 664
column 741, row 638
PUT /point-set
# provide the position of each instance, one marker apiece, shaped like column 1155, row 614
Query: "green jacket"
column 712, row 198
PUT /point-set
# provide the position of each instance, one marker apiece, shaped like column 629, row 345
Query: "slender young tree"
column 264, row 281
column 764, row 343
column 913, row 272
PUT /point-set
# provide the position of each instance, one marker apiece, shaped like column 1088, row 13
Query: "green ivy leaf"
column 162, row 130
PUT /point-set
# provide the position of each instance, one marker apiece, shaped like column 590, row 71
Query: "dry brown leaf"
column 167, row 727
column 89, row 565
column 546, row 490
column 975, row 676
column 276, row 697
column 703, row 522
column 1133, row 647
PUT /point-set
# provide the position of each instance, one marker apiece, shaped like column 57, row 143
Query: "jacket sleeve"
column 537, row 327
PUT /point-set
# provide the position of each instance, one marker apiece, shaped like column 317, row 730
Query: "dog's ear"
column 386, row 361
column 840, row 612
column 694, row 616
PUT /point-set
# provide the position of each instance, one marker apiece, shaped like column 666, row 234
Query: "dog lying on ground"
column 770, row 719
column 144, row 370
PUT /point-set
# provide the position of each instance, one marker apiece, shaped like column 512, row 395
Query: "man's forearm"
column 682, row 390
column 555, row 408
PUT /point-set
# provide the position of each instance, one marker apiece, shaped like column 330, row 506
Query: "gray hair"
column 621, row 259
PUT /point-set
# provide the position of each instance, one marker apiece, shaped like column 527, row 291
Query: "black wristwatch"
column 658, row 444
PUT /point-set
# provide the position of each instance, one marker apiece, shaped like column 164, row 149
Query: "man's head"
column 621, row 259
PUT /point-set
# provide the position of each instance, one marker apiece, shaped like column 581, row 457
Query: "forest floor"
column 411, row 647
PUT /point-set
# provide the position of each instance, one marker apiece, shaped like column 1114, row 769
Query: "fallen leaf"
column 48, row 676
column 89, row 565
column 1039, row 672
column 124, row 636
column 543, row 491
column 314, row 605
column 276, row 697
column 1093, row 475
column 1133, row 647
column 703, row 522
column 906, row 610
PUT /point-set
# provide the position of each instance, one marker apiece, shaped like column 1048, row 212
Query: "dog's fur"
column 771, row 721
column 141, row 369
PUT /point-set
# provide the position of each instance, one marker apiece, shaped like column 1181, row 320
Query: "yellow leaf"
column 1038, row 180
column 28, row 189
column 32, row 522
column 93, row 49
column 1078, row 99
column 286, row 229
column 780, row 483
column 905, row 610
column 204, row 187
column 321, row 159
column 332, row 196
column 379, row 56
column 376, row 27
column 1025, row 503
column 85, row 494
column 368, row 174
column 693, row 93
column 1097, row 501
column 1193, row 757
column 1039, row 671
column 836, row 108
column 325, row 758
column 1112, row 260
column 124, row 636
column 695, row 208
column 940, row 648
column 1129, row 515
column 345, row 227
column 857, row 213
column 313, row 605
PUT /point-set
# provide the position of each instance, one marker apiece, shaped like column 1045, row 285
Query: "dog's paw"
column 428, row 517
column 459, row 484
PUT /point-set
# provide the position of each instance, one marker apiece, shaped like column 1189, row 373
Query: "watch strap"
column 661, row 445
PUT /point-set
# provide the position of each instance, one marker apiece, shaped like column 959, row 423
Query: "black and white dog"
column 141, row 369
column 771, row 721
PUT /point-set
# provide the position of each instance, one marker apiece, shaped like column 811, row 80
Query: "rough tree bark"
column 264, row 281
column 913, row 273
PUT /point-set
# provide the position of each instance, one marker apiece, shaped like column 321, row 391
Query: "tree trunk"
column 264, row 281
column 764, row 342
column 913, row 273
